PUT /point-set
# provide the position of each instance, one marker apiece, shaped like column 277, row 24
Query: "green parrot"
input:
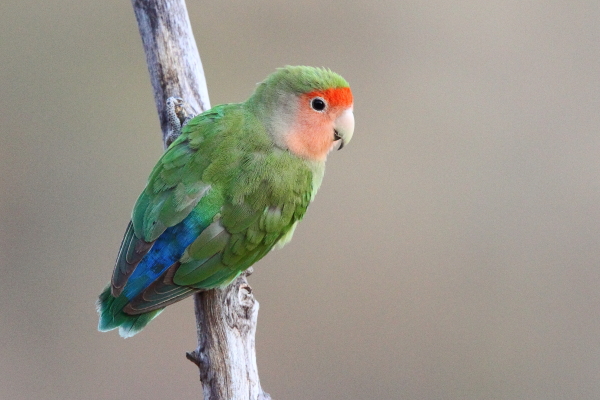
column 231, row 187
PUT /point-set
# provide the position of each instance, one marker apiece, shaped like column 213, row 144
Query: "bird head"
column 306, row 110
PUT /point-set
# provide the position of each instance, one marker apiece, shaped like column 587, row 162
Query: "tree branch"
column 225, row 318
column 171, row 54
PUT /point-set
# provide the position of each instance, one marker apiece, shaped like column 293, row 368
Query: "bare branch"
column 226, row 318
column 226, row 329
column 171, row 54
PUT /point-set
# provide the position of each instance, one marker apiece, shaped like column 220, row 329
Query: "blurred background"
column 453, row 251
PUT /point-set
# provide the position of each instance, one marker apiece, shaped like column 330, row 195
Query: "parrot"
column 231, row 187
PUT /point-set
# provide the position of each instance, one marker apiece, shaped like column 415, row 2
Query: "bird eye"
column 318, row 104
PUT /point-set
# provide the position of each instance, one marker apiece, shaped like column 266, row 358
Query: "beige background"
column 452, row 252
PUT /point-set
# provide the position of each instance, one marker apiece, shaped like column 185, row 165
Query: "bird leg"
column 178, row 115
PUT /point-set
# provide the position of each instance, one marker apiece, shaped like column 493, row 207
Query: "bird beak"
column 344, row 127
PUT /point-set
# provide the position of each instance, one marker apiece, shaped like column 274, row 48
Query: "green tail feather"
column 112, row 316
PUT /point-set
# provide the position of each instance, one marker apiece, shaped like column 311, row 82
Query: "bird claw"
column 179, row 113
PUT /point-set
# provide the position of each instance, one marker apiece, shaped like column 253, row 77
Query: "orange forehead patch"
column 336, row 97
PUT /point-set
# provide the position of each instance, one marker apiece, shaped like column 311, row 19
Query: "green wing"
column 174, row 188
column 257, row 195
column 268, row 193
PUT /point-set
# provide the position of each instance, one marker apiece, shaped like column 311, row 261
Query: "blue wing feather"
column 166, row 250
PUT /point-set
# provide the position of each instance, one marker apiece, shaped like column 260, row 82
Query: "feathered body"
column 232, row 186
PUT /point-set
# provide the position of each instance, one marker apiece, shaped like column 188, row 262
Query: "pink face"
column 312, row 135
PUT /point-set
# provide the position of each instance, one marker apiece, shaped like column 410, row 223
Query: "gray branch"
column 171, row 54
column 225, row 318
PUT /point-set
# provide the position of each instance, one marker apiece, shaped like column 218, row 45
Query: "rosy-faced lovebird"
column 232, row 186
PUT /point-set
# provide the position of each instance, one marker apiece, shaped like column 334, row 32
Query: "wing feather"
column 132, row 250
column 253, row 198
column 159, row 294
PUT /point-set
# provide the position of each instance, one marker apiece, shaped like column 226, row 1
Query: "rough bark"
column 226, row 323
column 171, row 54
column 226, row 318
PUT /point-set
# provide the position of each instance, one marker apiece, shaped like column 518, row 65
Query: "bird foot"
column 178, row 115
